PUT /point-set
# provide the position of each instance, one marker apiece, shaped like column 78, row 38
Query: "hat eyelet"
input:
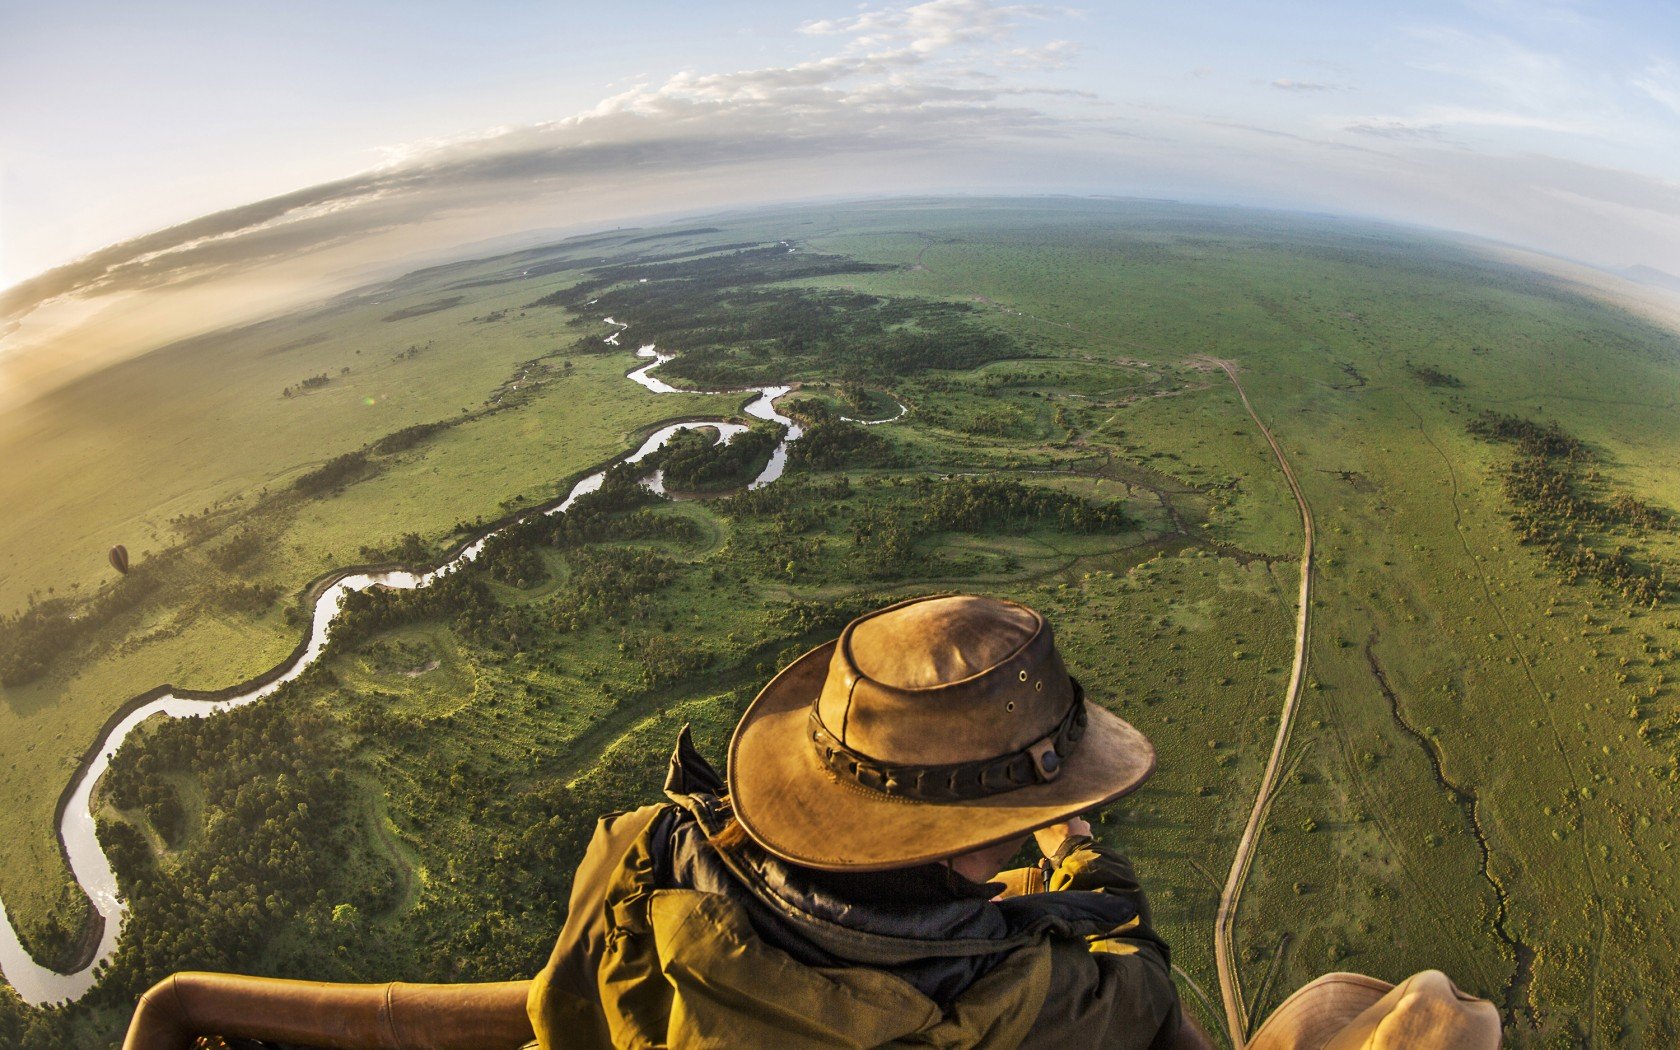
column 1009, row 706
column 1023, row 674
column 1038, row 687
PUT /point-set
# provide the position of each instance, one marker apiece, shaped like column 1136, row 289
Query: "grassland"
column 1482, row 774
column 192, row 447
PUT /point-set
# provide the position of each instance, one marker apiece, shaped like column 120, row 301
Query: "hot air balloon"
column 119, row 558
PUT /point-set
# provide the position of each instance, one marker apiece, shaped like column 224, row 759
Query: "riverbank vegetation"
column 694, row 461
column 831, row 442
column 737, row 327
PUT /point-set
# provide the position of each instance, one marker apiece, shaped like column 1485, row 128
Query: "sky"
column 208, row 161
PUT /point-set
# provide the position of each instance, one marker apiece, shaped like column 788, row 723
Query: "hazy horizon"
column 173, row 171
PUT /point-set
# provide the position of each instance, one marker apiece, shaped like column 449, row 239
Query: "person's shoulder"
column 641, row 816
column 617, row 832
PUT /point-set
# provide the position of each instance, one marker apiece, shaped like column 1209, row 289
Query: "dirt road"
column 1230, row 987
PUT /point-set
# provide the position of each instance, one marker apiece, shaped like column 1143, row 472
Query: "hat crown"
column 1350, row 1011
column 946, row 679
column 939, row 641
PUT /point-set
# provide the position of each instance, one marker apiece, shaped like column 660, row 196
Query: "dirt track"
column 1230, row 988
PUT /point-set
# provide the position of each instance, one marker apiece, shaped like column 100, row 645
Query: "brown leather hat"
column 927, row 729
column 1349, row 1011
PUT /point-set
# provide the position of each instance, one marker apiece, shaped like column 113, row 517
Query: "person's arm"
column 1079, row 863
column 1125, row 992
column 183, row 1007
column 565, row 1000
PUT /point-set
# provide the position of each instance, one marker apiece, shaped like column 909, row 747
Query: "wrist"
column 1069, row 845
column 1051, row 839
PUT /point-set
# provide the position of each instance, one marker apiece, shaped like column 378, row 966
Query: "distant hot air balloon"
column 119, row 559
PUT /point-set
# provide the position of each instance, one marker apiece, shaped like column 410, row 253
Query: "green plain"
column 1494, row 812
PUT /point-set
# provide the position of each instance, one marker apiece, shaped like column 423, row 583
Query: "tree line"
column 33, row 638
column 734, row 325
column 832, row 443
column 1550, row 486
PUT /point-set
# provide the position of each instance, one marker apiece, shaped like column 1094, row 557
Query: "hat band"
column 1038, row 763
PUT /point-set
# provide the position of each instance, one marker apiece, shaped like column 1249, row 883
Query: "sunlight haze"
column 375, row 135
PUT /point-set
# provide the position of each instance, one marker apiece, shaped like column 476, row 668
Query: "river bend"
column 39, row 985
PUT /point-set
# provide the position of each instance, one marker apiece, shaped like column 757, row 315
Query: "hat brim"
column 1318, row 1011
column 789, row 802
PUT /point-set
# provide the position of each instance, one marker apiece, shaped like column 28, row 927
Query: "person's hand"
column 1050, row 838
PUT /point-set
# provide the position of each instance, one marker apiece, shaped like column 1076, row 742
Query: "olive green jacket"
column 643, row 964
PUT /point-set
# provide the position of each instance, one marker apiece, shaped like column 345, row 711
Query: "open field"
column 1481, row 776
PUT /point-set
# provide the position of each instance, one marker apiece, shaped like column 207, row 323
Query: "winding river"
column 39, row 985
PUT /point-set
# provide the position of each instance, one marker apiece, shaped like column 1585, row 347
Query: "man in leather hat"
column 840, row 893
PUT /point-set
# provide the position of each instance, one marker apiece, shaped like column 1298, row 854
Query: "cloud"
column 1287, row 84
column 1396, row 129
column 938, row 25
column 1431, row 122
column 1561, row 86
column 1511, row 74
column 1057, row 54
column 1661, row 82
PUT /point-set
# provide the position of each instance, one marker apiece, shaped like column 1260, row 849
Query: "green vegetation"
column 1554, row 508
column 1482, row 776
column 696, row 462
column 1429, row 375
column 192, row 465
column 831, row 442
column 738, row 328
column 421, row 309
